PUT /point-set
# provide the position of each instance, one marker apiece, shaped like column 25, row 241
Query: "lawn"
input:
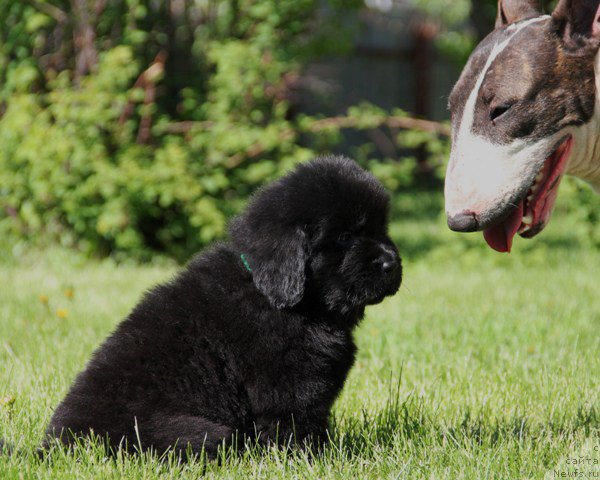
column 483, row 366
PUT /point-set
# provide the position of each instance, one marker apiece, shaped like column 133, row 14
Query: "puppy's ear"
column 278, row 261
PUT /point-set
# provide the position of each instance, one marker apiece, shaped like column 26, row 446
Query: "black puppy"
column 254, row 338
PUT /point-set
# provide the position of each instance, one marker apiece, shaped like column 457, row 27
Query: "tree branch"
column 50, row 10
column 84, row 39
column 343, row 122
column 405, row 123
column 146, row 81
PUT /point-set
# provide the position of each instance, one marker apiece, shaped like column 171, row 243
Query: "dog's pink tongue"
column 500, row 237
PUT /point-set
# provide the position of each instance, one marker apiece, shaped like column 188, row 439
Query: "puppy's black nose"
column 388, row 262
column 465, row 221
column 389, row 266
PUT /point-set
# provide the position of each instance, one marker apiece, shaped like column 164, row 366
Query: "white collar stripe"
column 469, row 111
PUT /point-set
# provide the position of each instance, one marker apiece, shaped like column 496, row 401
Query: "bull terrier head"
column 525, row 111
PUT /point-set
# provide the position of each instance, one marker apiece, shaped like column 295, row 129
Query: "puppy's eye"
column 345, row 238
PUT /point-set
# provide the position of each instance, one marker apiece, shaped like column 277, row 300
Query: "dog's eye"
column 345, row 238
column 499, row 110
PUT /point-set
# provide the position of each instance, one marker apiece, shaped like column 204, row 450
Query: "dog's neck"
column 341, row 316
column 585, row 159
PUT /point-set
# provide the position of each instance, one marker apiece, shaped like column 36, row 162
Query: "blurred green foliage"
column 582, row 204
column 130, row 127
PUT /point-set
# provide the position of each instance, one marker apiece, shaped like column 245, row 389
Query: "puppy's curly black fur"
column 254, row 337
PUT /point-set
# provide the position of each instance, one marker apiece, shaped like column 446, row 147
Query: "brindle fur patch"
column 546, row 88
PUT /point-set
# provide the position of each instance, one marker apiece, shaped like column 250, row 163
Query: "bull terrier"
column 525, row 112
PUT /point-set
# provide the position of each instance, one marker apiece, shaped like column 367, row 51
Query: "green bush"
column 580, row 203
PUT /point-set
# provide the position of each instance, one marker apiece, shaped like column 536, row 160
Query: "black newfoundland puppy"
column 254, row 338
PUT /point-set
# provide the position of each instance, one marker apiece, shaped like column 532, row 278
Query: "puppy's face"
column 319, row 236
column 352, row 261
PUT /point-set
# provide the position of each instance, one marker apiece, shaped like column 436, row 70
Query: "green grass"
column 483, row 366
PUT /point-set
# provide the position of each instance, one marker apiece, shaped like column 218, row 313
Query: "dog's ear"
column 579, row 20
column 511, row 11
column 278, row 261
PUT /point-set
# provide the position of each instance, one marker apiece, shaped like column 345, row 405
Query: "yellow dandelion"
column 43, row 298
column 69, row 293
column 62, row 313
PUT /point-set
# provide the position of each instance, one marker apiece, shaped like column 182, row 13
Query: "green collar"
column 245, row 262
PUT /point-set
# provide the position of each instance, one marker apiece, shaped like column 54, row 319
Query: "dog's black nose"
column 465, row 221
column 389, row 266
column 388, row 262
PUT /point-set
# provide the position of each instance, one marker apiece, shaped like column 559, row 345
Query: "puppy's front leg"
column 185, row 432
column 294, row 430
